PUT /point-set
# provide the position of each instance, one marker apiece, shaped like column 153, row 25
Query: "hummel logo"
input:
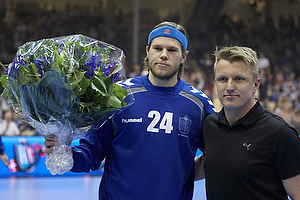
column 247, row 146
column 139, row 120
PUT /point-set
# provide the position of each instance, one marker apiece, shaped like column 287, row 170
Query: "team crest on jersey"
column 184, row 125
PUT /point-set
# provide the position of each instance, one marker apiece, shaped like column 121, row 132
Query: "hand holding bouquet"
column 63, row 86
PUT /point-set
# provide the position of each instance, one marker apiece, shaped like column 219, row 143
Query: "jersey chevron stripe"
column 138, row 89
column 194, row 99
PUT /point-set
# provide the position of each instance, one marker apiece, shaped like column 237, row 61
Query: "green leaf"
column 4, row 93
column 81, row 86
column 3, row 80
column 76, row 78
column 115, row 102
column 27, row 74
column 117, row 69
column 100, row 85
column 57, row 62
column 98, row 89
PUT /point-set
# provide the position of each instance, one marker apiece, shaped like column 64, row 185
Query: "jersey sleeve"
column 93, row 148
column 208, row 109
column 287, row 153
column 1, row 146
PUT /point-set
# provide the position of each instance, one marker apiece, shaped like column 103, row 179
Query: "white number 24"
column 166, row 122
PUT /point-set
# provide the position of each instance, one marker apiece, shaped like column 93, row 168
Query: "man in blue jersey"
column 3, row 155
column 149, row 146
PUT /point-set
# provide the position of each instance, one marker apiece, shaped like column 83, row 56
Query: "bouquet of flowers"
column 63, row 86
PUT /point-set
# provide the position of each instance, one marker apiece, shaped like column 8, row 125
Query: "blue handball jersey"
column 149, row 146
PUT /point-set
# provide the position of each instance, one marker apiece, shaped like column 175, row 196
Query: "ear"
column 184, row 56
column 147, row 50
column 256, row 85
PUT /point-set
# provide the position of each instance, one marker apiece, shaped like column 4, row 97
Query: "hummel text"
column 139, row 120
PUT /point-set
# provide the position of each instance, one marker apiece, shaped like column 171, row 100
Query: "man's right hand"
column 50, row 142
column 4, row 158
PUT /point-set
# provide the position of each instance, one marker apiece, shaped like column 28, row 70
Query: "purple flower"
column 107, row 69
column 116, row 76
column 79, row 54
column 17, row 61
column 62, row 46
column 41, row 64
column 90, row 65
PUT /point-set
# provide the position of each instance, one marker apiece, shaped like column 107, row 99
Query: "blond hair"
column 238, row 53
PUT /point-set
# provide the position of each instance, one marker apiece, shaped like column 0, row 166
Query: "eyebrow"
column 168, row 46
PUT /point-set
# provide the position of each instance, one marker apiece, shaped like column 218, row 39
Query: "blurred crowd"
column 278, row 47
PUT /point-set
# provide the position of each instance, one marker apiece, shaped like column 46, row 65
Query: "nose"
column 164, row 54
column 230, row 86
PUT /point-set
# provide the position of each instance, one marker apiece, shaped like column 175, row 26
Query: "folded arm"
column 292, row 187
column 199, row 169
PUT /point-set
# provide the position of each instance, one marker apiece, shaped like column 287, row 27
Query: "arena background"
column 268, row 26
column 271, row 27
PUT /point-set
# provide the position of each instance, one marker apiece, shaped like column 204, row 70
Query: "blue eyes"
column 221, row 79
column 239, row 79
column 225, row 79
column 168, row 49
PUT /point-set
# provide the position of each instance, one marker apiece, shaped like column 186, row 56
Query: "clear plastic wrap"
column 63, row 86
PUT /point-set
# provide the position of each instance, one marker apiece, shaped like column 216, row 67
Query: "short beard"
column 180, row 70
column 164, row 77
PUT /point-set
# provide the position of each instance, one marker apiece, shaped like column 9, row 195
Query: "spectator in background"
column 287, row 112
column 1, row 109
column 263, row 61
column 25, row 128
column 8, row 126
column 197, row 79
column 264, row 84
column 206, row 65
column 136, row 71
column 280, row 46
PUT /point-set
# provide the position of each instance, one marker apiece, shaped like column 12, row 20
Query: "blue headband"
column 168, row 31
